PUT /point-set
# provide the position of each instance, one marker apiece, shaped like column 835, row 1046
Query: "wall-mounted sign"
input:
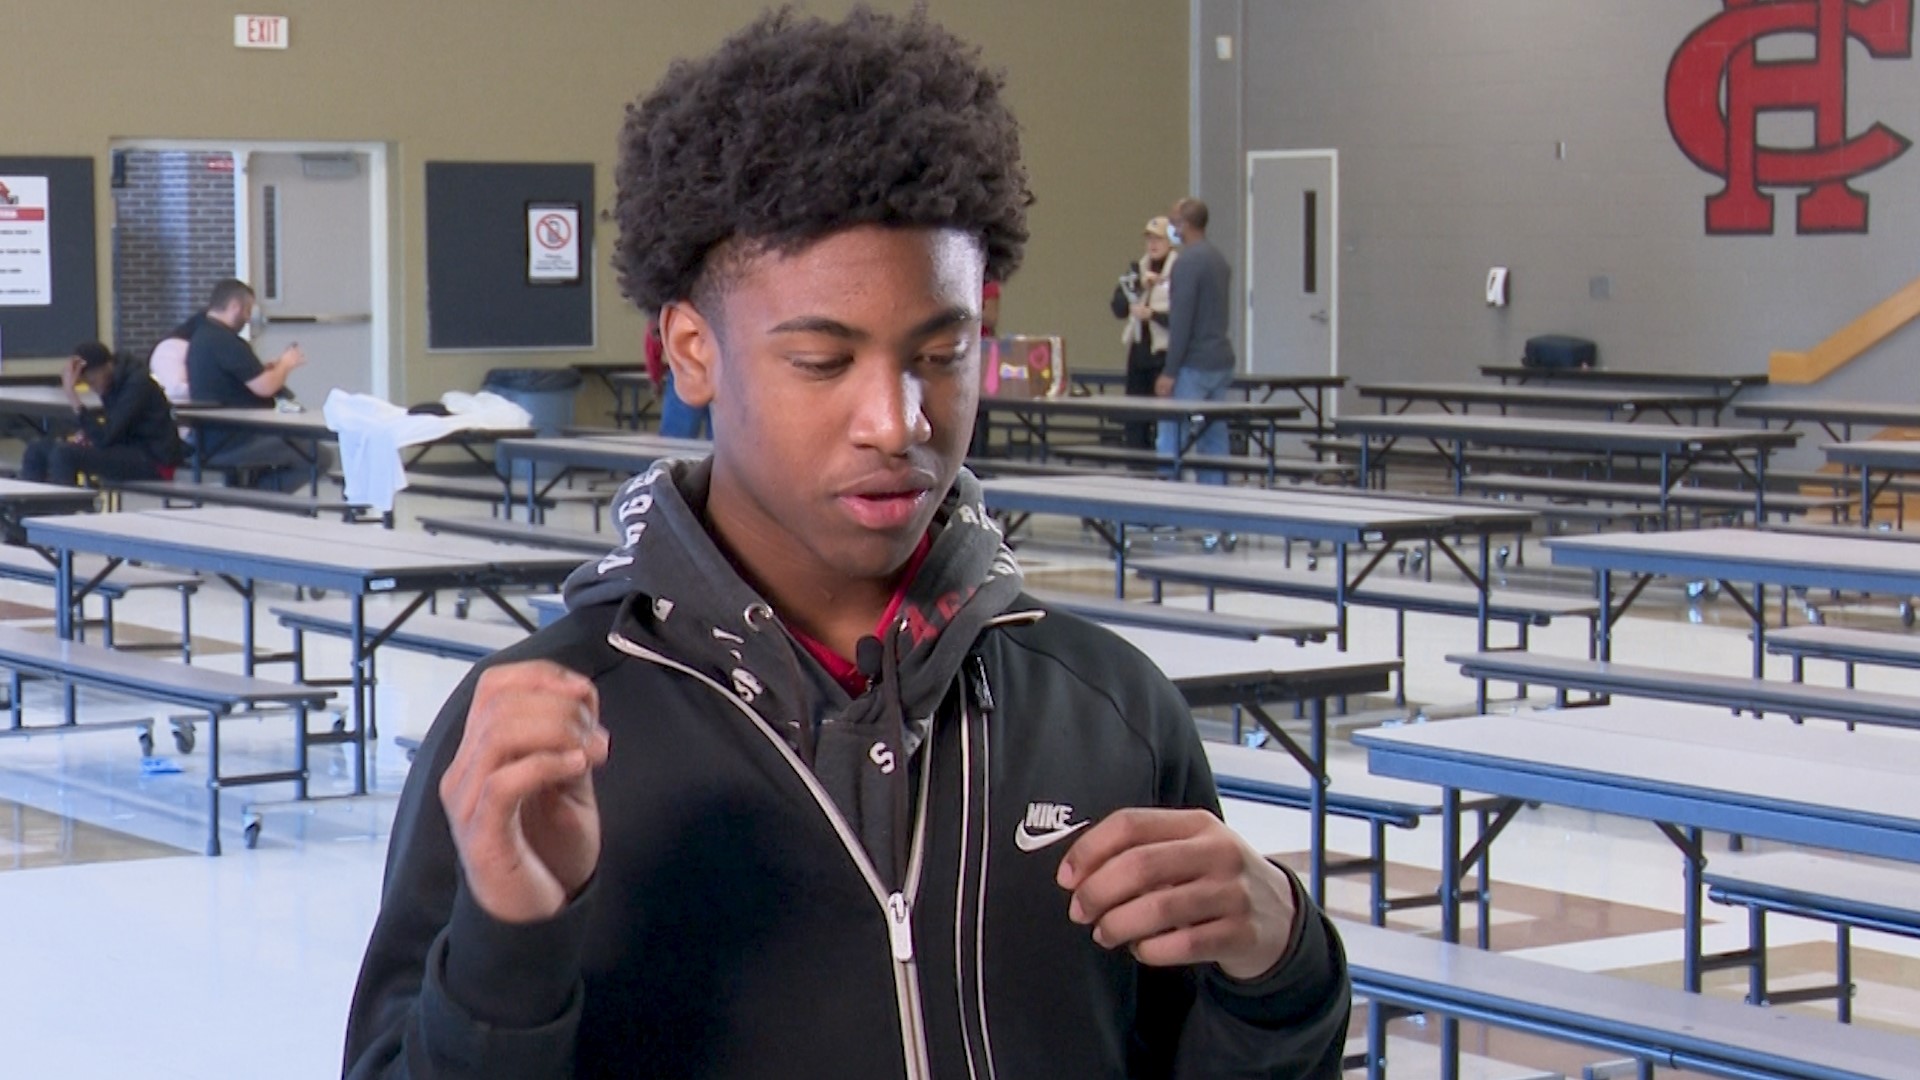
column 553, row 243
column 260, row 31
column 26, row 259
column 1724, row 140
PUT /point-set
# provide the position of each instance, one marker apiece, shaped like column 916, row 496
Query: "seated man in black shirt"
column 223, row 370
column 130, row 436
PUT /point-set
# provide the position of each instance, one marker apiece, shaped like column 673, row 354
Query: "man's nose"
column 891, row 414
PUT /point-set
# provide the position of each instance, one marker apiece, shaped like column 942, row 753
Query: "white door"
column 310, row 254
column 1292, row 263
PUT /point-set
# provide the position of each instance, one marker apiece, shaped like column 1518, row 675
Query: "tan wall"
column 1100, row 86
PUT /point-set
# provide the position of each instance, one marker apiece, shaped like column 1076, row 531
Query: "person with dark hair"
column 804, row 784
column 223, row 370
column 1199, row 353
column 130, row 436
column 1142, row 298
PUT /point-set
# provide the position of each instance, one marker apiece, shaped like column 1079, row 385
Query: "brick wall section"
column 173, row 239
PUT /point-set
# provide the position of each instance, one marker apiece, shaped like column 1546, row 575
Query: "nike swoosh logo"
column 1027, row 840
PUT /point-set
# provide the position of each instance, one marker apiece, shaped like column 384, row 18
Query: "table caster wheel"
column 1401, row 557
column 250, row 831
column 339, row 724
column 1313, row 561
column 1416, row 560
column 1501, row 555
column 184, row 738
column 1906, row 613
column 146, row 744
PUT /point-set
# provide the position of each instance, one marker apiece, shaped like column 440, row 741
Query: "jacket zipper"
column 896, row 907
column 980, row 899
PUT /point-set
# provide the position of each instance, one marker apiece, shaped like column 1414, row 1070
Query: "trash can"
column 546, row 393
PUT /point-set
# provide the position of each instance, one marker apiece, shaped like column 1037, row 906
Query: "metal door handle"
column 1319, row 316
column 319, row 319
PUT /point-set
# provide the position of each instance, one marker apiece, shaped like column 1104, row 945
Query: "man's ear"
column 692, row 350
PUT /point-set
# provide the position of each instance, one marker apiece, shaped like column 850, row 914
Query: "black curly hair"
column 797, row 128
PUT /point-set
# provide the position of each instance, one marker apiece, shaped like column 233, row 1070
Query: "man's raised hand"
column 519, row 790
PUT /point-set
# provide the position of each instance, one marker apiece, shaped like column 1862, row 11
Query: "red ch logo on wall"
column 1724, row 140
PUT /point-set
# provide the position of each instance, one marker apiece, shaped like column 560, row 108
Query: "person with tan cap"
column 1143, row 299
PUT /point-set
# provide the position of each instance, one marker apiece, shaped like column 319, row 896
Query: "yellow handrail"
column 1849, row 341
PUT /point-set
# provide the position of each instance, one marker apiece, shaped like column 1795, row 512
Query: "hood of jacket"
column 682, row 601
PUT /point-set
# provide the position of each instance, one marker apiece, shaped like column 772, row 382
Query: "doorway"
column 304, row 224
column 1293, row 262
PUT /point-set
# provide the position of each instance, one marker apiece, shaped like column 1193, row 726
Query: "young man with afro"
column 804, row 785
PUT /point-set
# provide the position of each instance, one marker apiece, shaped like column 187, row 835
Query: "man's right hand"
column 292, row 356
column 519, row 791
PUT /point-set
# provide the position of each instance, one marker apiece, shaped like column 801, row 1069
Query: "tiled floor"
column 126, row 953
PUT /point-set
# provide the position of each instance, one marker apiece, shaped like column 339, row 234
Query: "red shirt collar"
column 842, row 669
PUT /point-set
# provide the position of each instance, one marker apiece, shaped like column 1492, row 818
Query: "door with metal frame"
column 311, row 258
column 1292, row 262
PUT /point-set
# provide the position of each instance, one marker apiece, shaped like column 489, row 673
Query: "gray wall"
column 1447, row 113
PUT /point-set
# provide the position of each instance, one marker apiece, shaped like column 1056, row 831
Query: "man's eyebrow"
column 820, row 324
column 945, row 320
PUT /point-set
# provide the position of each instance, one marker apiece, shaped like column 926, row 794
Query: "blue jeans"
column 679, row 419
column 1195, row 385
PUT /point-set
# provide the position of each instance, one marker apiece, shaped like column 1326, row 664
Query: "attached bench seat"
column 1844, row 644
column 30, row 566
column 1020, row 467
column 1850, row 895
column 1418, row 451
column 1735, row 692
column 1718, row 500
column 1710, row 472
column 1658, row 1026
column 489, row 489
column 1289, row 468
column 1882, row 530
column 1187, row 620
column 172, row 492
column 217, row 693
column 440, row 635
column 1403, row 594
column 1270, row 778
column 521, row 532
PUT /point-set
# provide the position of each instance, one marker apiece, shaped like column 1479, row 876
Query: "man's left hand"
column 1163, row 386
column 1179, row 887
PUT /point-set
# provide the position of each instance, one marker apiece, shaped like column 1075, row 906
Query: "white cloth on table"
column 373, row 432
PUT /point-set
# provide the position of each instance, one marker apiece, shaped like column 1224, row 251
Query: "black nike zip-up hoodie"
column 793, row 883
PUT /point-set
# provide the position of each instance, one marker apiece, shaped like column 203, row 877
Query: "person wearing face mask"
column 1142, row 298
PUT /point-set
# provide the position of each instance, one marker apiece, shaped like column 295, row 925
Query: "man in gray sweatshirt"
column 1200, row 359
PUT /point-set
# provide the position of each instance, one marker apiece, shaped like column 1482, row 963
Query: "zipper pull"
column 982, row 690
column 900, row 927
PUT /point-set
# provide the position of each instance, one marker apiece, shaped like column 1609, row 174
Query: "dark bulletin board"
column 478, row 295
column 74, row 316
